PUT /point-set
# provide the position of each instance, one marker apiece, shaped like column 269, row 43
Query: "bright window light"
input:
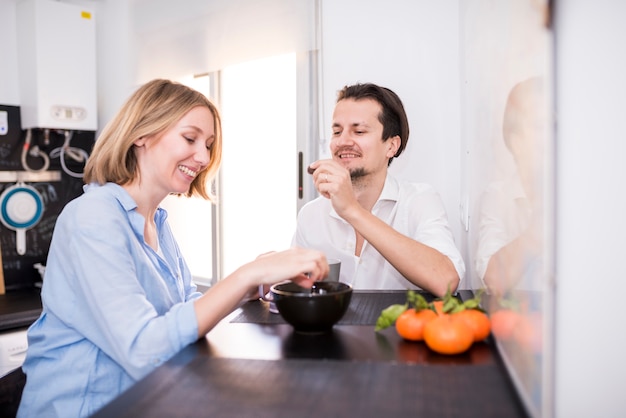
column 259, row 170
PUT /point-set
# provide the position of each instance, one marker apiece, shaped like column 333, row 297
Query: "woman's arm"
column 300, row 265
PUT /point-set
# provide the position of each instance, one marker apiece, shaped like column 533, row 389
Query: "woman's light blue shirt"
column 113, row 309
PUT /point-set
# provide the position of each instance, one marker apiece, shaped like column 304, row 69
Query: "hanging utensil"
column 21, row 208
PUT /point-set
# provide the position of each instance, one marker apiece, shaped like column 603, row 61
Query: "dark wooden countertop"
column 19, row 308
column 253, row 364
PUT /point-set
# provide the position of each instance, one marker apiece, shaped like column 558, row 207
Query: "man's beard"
column 357, row 173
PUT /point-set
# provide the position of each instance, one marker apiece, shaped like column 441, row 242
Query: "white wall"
column 411, row 47
column 9, row 87
column 198, row 36
column 424, row 73
column 115, row 54
column 590, row 222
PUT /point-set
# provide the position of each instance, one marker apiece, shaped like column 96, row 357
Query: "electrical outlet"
column 4, row 122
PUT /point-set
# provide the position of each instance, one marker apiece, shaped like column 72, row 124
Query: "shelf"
column 29, row 176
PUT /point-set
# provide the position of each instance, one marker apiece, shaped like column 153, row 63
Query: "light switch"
column 4, row 122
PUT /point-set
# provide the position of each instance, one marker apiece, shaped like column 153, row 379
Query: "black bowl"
column 312, row 310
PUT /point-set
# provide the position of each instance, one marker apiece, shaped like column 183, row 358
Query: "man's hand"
column 333, row 181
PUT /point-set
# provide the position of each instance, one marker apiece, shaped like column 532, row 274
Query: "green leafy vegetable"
column 389, row 315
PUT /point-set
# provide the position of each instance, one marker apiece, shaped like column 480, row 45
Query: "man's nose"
column 344, row 138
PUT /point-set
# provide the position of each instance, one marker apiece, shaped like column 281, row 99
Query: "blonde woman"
column 118, row 299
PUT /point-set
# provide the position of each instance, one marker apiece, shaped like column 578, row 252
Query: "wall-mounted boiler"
column 57, row 65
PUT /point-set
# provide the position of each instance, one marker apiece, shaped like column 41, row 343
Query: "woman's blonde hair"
column 152, row 109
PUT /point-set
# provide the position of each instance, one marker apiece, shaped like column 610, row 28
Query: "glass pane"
column 508, row 138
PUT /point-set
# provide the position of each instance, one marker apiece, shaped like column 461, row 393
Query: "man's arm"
column 421, row 264
column 424, row 266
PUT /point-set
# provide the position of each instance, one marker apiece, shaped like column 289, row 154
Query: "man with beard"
column 387, row 233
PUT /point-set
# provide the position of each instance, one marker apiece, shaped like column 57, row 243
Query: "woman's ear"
column 141, row 141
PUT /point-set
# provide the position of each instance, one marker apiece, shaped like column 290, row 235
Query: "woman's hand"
column 302, row 266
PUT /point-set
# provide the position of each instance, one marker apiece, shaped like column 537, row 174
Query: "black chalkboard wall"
column 18, row 269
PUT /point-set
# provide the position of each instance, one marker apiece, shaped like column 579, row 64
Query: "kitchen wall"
column 391, row 43
column 590, row 224
column 348, row 53
column 158, row 46
column 9, row 89
column 46, row 172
